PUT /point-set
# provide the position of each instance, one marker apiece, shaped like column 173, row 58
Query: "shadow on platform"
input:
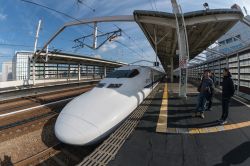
column 236, row 156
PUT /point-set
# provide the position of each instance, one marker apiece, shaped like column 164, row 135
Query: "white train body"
column 93, row 115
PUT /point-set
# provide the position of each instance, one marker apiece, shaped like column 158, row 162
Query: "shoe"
column 202, row 115
column 223, row 122
column 219, row 121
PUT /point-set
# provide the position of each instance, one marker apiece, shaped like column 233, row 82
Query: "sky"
column 19, row 19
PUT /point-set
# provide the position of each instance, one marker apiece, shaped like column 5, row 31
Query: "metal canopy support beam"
column 157, row 21
column 212, row 18
column 155, row 42
column 215, row 52
column 127, row 18
column 246, row 21
column 200, row 58
column 183, row 48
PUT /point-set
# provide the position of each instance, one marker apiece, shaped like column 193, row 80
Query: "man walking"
column 227, row 93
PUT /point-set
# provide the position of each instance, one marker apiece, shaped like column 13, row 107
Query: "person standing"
column 210, row 97
column 227, row 93
column 204, row 88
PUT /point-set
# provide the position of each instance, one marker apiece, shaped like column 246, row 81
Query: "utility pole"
column 95, row 36
column 35, row 48
column 183, row 48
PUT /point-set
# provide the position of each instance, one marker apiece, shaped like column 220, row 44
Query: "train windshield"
column 123, row 73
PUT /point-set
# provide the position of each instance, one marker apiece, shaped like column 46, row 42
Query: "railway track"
column 58, row 154
column 36, row 124
column 14, row 111
column 35, row 100
column 38, row 112
column 53, row 153
column 47, row 150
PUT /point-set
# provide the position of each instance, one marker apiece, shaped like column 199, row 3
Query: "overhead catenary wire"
column 54, row 10
column 155, row 2
column 124, row 45
column 130, row 38
column 151, row 4
column 83, row 3
column 73, row 18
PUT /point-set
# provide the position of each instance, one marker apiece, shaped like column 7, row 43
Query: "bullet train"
column 93, row 115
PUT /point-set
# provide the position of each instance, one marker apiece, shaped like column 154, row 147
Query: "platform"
column 169, row 135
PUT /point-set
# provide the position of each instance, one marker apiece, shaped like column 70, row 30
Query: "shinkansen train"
column 93, row 115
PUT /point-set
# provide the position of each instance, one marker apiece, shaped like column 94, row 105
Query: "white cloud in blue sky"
column 19, row 20
column 2, row 16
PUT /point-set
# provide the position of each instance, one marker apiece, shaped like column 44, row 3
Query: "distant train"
column 94, row 114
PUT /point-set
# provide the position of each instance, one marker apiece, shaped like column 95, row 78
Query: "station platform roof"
column 203, row 27
column 66, row 58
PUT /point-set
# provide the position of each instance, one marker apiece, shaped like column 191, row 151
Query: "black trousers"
column 225, row 107
column 209, row 102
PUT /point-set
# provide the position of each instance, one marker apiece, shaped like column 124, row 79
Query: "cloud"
column 7, row 52
column 2, row 41
column 3, row 17
column 108, row 46
column 98, row 56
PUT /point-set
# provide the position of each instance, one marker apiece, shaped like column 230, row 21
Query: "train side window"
column 133, row 73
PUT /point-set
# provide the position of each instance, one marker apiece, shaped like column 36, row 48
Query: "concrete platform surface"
column 169, row 135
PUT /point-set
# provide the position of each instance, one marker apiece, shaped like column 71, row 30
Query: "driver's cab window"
column 133, row 73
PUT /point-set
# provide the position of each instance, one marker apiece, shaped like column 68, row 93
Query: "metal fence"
column 238, row 64
column 21, row 74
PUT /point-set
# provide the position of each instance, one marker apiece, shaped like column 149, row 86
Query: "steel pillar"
column 34, row 58
column 68, row 72
column 95, row 36
column 227, row 62
column 87, row 71
column 57, row 73
column 79, row 72
column 183, row 48
column 172, row 69
column 105, row 71
column 219, row 72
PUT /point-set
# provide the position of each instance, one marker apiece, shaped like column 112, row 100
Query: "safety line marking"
column 162, row 120
column 206, row 130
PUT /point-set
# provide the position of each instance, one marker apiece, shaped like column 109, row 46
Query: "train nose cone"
column 74, row 130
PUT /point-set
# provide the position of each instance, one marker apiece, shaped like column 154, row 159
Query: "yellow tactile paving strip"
column 162, row 120
column 208, row 129
column 163, row 116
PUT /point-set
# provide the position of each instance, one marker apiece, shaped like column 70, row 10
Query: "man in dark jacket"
column 227, row 93
column 205, row 89
column 210, row 97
